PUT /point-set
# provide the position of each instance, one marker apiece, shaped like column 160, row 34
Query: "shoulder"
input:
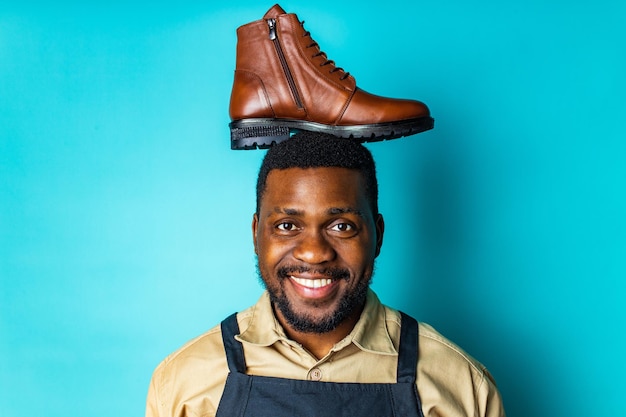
column 434, row 348
column 204, row 350
column 450, row 382
column 191, row 379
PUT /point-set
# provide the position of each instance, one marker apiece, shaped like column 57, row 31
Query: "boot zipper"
column 271, row 23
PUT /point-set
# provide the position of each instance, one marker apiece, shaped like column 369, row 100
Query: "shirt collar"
column 262, row 329
column 370, row 333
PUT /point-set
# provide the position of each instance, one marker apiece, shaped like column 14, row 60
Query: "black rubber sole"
column 263, row 133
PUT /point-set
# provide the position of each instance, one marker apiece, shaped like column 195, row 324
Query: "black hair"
column 319, row 150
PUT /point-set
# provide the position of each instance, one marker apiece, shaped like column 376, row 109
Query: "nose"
column 314, row 248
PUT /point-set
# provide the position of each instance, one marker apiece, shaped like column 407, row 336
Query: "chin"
column 323, row 322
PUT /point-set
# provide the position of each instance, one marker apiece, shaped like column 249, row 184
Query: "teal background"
column 125, row 217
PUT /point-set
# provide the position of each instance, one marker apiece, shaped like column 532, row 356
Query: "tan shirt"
column 190, row 381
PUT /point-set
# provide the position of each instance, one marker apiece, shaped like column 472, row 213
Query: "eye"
column 286, row 227
column 342, row 227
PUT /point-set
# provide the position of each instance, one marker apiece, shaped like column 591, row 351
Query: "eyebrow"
column 288, row 211
column 345, row 210
column 331, row 211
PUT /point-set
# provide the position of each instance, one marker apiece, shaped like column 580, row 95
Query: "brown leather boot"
column 285, row 83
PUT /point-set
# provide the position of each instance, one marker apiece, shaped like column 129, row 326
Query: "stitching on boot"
column 345, row 107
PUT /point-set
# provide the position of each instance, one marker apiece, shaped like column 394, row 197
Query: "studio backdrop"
column 125, row 217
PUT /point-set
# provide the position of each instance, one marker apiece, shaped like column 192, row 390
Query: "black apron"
column 261, row 396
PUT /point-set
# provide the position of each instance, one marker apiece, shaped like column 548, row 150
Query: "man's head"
column 317, row 230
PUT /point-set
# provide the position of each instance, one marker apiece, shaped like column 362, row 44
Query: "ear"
column 380, row 231
column 255, row 227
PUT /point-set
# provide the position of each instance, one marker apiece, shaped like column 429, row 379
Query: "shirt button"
column 316, row 374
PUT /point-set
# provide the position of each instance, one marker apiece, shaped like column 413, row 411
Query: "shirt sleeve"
column 489, row 399
column 152, row 401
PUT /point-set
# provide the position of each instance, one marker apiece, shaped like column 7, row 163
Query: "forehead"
column 312, row 187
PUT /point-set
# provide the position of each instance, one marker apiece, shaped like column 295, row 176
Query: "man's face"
column 316, row 239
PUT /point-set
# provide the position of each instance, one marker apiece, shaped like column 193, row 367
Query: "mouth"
column 313, row 288
column 312, row 283
column 305, row 276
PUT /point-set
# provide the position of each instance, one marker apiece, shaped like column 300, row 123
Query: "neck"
column 320, row 344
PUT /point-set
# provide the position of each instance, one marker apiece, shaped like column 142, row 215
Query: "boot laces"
column 319, row 52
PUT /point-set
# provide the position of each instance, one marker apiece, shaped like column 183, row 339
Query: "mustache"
column 333, row 273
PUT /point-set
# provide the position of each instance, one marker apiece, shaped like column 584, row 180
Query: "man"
column 319, row 342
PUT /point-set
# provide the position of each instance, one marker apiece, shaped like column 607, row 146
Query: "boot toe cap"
column 365, row 108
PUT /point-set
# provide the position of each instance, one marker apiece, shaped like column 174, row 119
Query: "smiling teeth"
column 313, row 283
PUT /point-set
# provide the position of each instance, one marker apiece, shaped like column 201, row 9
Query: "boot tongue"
column 275, row 11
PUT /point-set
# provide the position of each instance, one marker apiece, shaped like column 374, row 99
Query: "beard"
column 349, row 303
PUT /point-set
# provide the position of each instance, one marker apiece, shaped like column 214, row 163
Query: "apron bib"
column 260, row 396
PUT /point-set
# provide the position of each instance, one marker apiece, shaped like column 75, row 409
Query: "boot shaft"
column 281, row 72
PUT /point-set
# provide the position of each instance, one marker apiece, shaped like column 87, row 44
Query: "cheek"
column 270, row 250
column 359, row 255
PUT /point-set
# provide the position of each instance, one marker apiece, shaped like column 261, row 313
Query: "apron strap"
column 407, row 357
column 234, row 349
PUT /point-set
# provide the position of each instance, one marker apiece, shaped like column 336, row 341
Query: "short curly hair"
column 319, row 150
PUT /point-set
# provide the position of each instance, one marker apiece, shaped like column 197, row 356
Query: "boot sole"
column 263, row 133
